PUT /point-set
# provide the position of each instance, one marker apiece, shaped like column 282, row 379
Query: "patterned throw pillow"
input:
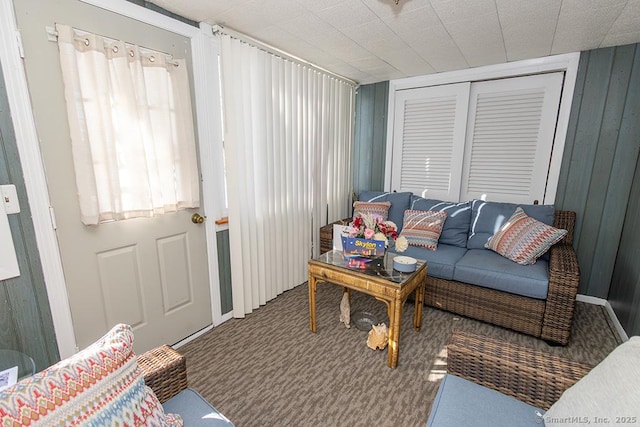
column 101, row 385
column 375, row 208
column 423, row 228
column 523, row 239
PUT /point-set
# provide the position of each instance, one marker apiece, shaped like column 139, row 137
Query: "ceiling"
column 376, row 40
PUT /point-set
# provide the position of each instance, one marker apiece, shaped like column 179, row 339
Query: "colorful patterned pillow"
column 376, row 208
column 523, row 239
column 423, row 228
column 101, row 385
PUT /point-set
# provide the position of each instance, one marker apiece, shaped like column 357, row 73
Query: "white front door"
column 150, row 272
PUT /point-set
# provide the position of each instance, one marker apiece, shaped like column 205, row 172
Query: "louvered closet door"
column 429, row 134
column 510, row 135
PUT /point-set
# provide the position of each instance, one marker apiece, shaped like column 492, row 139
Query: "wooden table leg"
column 312, row 303
column 395, row 317
column 417, row 313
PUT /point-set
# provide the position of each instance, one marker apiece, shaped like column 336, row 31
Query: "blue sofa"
column 496, row 383
column 466, row 278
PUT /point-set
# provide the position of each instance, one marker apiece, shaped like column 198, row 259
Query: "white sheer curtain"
column 288, row 141
column 131, row 128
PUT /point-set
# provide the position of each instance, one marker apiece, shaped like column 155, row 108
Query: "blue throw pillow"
column 456, row 227
column 399, row 203
column 488, row 217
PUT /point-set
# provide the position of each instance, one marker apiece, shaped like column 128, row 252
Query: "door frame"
column 205, row 49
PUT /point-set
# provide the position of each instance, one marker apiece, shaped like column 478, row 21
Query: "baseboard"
column 612, row 315
column 202, row 331
column 225, row 317
column 192, row 337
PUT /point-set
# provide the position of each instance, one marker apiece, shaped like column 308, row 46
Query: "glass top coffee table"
column 376, row 278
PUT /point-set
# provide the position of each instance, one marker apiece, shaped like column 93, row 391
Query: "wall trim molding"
column 612, row 315
column 35, row 179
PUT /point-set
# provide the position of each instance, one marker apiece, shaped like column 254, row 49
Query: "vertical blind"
column 131, row 124
column 288, row 142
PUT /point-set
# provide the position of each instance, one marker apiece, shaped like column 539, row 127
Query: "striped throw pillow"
column 376, row 208
column 523, row 239
column 423, row 228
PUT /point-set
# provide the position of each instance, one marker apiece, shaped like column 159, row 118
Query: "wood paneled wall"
column 224, row 268
column 25, row 318
column 370, row 138
column 601, row 159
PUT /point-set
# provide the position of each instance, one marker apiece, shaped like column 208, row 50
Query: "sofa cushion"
column 423, row 228
column 460, row 402
column 523, row 239
column 104, row 380
column 488, row 217
column 488, row 269
column 456, row 227
column 195, row 410
column 440, row 263
column 609, row 392
column 399, row 203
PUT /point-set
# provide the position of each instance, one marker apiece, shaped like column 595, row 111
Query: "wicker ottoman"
column 165, row 371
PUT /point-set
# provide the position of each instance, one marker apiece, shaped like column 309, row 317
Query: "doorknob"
column 196, row 218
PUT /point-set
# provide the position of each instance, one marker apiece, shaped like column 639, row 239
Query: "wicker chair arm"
column 565, row 220
column 529, row 375
column 564, row 279
column 164, row 370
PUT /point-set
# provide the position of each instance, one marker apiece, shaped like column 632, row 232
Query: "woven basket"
column 326, row 234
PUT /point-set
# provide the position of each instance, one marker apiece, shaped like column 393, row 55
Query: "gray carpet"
column 270, row 370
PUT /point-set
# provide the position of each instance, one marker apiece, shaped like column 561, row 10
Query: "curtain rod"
column 52, row 36
column 216, row 28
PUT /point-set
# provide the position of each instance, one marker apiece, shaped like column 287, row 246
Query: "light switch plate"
column 10, row 199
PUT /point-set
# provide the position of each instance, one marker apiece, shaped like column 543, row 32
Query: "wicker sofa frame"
column 548, row 319
column 529, row 375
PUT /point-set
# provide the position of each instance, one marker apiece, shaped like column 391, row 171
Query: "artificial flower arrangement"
column 373, row 227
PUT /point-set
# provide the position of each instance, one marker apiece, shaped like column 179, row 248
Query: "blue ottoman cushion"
column 194, row 410
column 461, row 403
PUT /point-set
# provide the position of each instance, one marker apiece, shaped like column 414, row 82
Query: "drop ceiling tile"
column 278, row 11
column 424, row 32
column 347, row 13
column 406, row 60
column 367, row 32
column 628, row 20
column 456, row 10
column 479, row 40
column 317, row 5
column 620, row 39
column 197, row 10
column 243, row 18
column 583, row 30
column 583, row 5
column 371, row 62
column 309, row 28
column 523, row 21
